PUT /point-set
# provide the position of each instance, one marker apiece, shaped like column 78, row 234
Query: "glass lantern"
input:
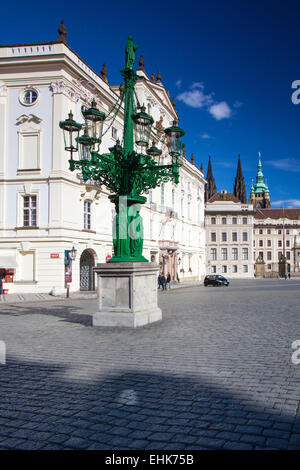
column 154, row 152
column 175, row 135
column 94, row 122
column 84, row 143
column 143, row 124
column 71, row 130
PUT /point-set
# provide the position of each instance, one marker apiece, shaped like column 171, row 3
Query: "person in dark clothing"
column 2, row 276
column 163, row 281
column 159, row 281
column 169, row 280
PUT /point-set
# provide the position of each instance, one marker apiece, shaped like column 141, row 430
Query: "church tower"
column 210, row 187
column 260, row 194
column 239, row 189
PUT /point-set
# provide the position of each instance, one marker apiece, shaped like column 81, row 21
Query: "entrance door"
column 87, row 264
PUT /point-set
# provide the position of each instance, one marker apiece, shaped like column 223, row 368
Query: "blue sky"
column 229, row 64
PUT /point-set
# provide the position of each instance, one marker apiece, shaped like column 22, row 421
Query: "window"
column 269, row 267
column 245, row 268
column 253, row 243
column 279, row 255
column 224, row 269
column 261, row 243
column 162, row 195
column 29, row 211
column 234, row 268
column 213, row 220
column 214, row 269
column 269, row 243
column 114, row 133
column 150, row 195
column 245, row 220
column 279, row 232
column 288, row 255
column 287, row 232
column 288, row 243
column 213, row 236
column 224, row 254
column 29, row 96
column 234, row 253
column 245, row 236
column 234, row 220
column 269, row 231
column 213, row 254
column 234, row 236
column 224, row 220
column 87, row 215
column 224, row 236
column 260, row 231
column 245, row 253
column 269, row 255
column 261, row 254
column 279, row 243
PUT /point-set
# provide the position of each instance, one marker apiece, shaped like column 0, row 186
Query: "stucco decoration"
column 61, row 87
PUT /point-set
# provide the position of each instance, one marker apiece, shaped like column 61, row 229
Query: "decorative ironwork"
column 87, row 264
column 126, row 173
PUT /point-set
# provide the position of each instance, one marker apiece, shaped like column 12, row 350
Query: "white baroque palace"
column 45, row 209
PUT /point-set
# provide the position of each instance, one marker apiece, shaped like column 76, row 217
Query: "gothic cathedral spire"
column 210, row 187
column 239, row 189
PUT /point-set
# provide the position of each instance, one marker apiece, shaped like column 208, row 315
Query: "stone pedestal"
column 127, row 294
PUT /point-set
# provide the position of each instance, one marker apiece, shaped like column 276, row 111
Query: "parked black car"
column 215, row 280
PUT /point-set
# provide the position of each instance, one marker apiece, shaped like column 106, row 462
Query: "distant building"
column 276, row 236
column 229, row 236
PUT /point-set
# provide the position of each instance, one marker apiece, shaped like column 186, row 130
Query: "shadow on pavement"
column 42, row 409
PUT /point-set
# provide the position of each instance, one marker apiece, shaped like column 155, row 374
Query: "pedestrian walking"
column 159, row 281
column 289, row 274
column 163, row 282
column 169, row 280
column 2, row 276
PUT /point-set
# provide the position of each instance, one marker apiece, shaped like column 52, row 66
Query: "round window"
column 29, row 96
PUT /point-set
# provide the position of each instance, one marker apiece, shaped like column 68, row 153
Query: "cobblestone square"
column 216, row 373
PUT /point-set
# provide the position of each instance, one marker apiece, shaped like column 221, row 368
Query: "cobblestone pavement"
column 216, row 373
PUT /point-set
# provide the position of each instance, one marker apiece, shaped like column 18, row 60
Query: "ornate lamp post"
column 126, row 173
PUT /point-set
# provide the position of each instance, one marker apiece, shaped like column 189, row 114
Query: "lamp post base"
column 127, row 294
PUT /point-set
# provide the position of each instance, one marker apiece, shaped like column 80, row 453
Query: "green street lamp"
column 71, row 130
column 126, row 173
column 94, row 122
column 143, row 124
column 154, row 152
column 84, row 143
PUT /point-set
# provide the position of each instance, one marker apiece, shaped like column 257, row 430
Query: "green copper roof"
column 260, row 186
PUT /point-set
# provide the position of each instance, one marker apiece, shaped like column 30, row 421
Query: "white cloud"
column 197, row 85
column 288, row 203
column 220, row 111
column 205, row 136
column 286, row 164
column 195, row 98
column 178, row 83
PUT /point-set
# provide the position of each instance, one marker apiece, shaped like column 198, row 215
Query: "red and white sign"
column 107, row 258
column 54, row 255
